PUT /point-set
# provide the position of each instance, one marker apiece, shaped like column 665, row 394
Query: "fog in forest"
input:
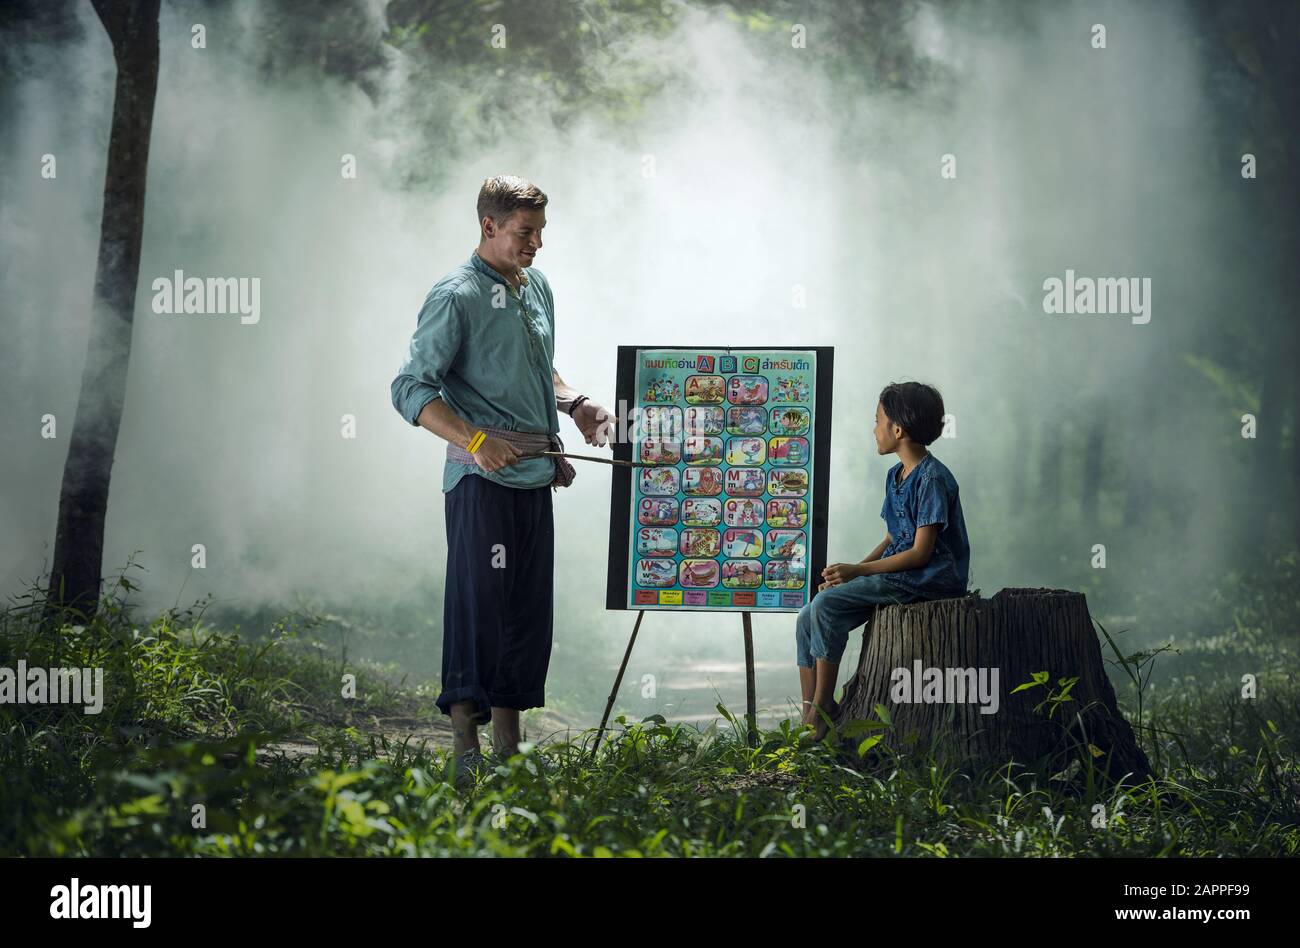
column 748, row 175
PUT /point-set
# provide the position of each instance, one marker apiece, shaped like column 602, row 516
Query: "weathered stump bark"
column 1019, row 632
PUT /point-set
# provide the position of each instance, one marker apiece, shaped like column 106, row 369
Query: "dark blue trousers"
column 498, row 602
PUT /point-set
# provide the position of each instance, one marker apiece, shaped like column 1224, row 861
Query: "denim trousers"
column 822, row 629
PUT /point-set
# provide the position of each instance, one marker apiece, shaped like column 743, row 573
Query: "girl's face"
column 887, row 433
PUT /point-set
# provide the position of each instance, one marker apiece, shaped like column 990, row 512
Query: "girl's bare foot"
column 813, row 716
column 807, row 716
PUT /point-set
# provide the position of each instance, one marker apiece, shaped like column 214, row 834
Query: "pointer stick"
column 585, row 457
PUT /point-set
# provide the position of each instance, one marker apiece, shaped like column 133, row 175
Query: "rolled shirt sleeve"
column 433, row 347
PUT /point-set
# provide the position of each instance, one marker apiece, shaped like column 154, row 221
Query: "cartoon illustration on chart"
column 746, row 451
column 699, row 574
column 657, row 512
column 660, row 421
column 742, row 574
column 788, row 452
column 659, row 481
column 790, row 421
column 746, row 421
column 787, row 483
column 742, row 543
column 747, row 390
column 655, row 451
column 703, row 512
column 791, row 390
column 785, row 574
column 662, row 389
column 787, row 513
column 704, row 389
column 743, row 513
column 745, row 481
column 702, row 481
column 657, row 573
column 700, row 541
column 786, row 544
column 703, row 421
column 702, row 450
column 656, row 541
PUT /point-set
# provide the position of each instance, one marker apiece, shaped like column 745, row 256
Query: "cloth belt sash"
column 528, row 442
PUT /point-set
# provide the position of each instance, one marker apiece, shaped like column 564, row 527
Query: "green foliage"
column 1237, row 390
column 1055, row 698
column 193, row 714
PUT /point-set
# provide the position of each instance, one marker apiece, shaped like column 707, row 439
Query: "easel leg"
column 609, row 705
column 751, row 710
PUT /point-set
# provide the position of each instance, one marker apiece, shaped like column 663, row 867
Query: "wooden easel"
column 751, row 711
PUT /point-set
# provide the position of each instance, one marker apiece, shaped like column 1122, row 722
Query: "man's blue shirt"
column 927, row 495
column 491, row 364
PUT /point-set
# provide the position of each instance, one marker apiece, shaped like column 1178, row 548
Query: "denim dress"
column 927, row 495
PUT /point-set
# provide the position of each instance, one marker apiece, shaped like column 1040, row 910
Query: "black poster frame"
column 620, row 495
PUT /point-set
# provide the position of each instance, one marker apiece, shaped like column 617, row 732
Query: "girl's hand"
column 838, row 573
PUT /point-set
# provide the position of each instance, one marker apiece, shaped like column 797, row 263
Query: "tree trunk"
column 1017, row 633
column 83, row 500
column 1049, row 465
column 1093, row 457
column 1137, row 483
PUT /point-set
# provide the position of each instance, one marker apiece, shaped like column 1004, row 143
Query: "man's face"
column 887, row 433
column 518, row 239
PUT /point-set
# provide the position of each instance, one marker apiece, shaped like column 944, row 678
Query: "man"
column 479, row 374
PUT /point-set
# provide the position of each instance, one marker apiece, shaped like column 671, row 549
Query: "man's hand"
column 594, row 422
column 838, row 573
column 494, row 454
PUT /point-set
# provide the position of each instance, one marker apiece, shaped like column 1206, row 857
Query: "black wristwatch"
column 576, row 402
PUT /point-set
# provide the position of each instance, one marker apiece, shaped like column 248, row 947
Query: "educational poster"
column 722, row 512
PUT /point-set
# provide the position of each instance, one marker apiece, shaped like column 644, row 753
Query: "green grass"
column 193, row 710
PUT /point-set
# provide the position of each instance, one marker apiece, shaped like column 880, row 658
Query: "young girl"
column 924, row 555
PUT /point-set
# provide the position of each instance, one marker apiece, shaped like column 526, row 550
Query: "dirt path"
column 688, row 691
column 411, row 729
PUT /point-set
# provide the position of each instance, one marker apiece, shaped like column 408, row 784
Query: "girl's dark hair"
column 915, row 407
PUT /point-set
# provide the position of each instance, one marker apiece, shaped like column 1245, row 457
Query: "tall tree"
column 132, row 27
column 1250, row 49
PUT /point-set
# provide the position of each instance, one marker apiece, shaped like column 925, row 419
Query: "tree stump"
column 999, row 643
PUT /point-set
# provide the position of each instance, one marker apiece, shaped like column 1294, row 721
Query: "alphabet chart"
column 721, row 515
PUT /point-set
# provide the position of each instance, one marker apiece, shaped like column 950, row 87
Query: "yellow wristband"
column 476, row 442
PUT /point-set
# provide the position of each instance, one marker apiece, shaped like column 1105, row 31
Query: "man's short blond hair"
column 504, row 194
